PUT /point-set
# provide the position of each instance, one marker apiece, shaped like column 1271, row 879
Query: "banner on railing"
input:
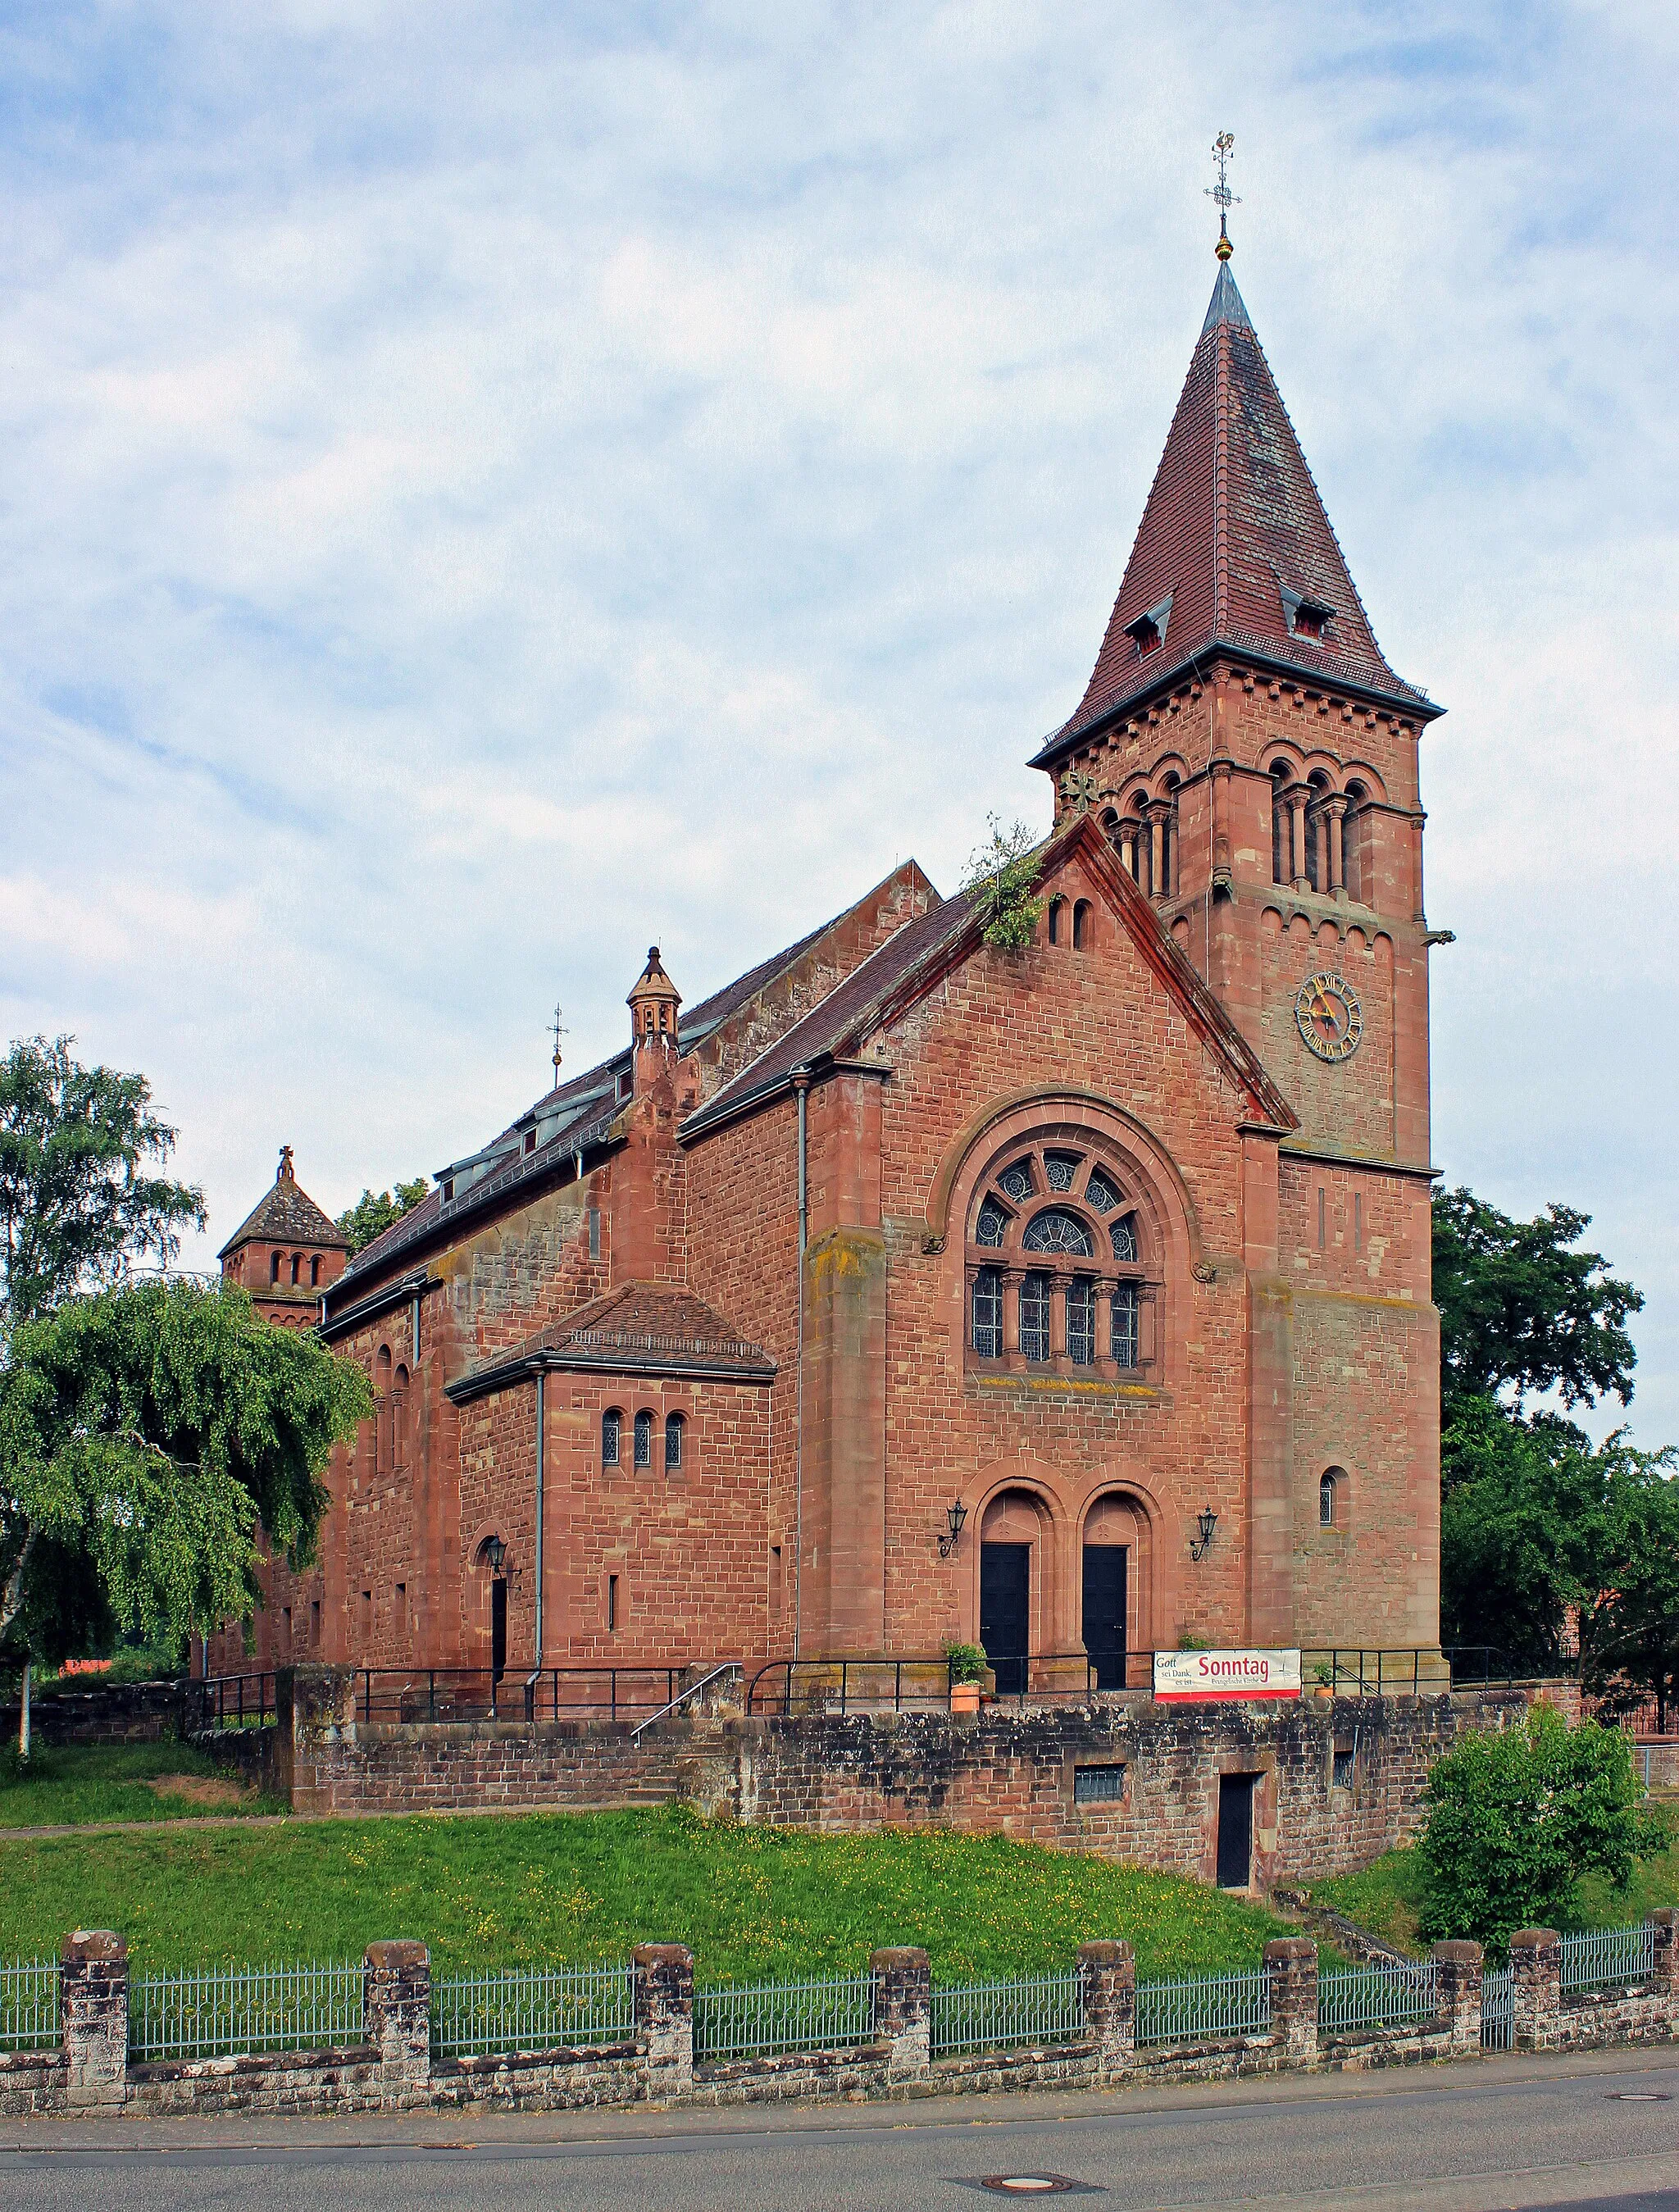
column 1181, row 1677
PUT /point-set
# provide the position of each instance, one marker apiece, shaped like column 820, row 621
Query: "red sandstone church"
column 1111, row 1255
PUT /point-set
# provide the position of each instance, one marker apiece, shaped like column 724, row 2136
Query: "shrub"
column 1004, row 874
column 967, row 1663
column 1516, row 1818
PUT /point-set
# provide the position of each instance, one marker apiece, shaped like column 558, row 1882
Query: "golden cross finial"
column 556, row 1031
column 1220, row 194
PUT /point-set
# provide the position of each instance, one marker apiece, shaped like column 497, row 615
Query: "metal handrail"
column 728, row 1667
column 442, row 1693
column 233, row 1700
column 854, row 1683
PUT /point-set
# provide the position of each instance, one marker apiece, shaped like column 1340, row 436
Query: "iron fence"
column 1209, row 2004
column 834, row 2014
column 1377, row 1996
column 228, row 1701
column 220, row 2012
column 1606, row 1958
column 994, row 2015
column 28, row 2004
column 531, row 2008
column 479, row 1694
column 1498, row 2008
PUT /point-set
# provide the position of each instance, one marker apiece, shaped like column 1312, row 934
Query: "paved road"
column 1600, row 2131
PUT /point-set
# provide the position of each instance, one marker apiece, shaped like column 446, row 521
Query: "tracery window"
column 644, row 1439
column 1071, row 1276
column 674, row 1425
column 611, row 1434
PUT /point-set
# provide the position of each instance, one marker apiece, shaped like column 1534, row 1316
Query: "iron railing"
column 843, row 1686
column 531, row 2008
column 728, row 1672
column 1498, row 2008
column 28, row 2004
column 833, row 2015
column 228, row 1701
column 1606, row 1958
column 1033, row 2009
column 1208, row 2005
column 1362, row 1997
column 221, row 2011
column 477, row 1693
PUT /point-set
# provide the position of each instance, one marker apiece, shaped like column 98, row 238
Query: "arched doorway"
column 1111, row 1566
column 1010, row 1534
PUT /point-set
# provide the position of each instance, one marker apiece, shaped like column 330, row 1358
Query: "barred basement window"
column 1125, row 1325
column 644, row 1439
column 611, row 1433
column 674, row 1425
column 1098, row 1785
column 1341, row 1777
column 1035, row 1317
column 1081, row 1322
column 988, row 1316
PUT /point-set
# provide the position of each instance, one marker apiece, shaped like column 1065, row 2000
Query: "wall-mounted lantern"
column 955, row 1514
column 1206, row 1521
column 495, row 1552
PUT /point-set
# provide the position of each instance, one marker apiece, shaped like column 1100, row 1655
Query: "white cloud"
column 486, row 487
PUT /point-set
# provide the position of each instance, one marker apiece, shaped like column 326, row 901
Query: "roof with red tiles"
column 641, row 1328
column 287, row 1215
column 1234, row 542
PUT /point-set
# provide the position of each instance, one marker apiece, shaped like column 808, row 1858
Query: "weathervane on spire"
column 557, row 1032
column 1220, row 194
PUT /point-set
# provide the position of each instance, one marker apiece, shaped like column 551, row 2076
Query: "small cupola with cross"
column 652, row 1013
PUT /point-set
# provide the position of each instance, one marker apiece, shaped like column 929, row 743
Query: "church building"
column 912, row 1288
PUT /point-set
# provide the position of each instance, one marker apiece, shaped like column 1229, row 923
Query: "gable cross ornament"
column 1220, row 194
column 1078, row 790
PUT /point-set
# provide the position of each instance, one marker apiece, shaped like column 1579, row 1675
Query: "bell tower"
column 1253, row 757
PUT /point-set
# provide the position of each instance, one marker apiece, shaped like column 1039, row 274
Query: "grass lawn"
column 1386, row 1897
column 753, row 1903
column 117, row 1781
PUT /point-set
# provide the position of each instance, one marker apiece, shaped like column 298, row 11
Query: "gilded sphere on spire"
column 1224, row 249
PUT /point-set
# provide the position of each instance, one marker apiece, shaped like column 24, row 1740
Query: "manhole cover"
column 1034, row 2184
column 1638, row 2096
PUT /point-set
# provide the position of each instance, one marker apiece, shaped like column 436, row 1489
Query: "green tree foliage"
column 1629, row 1633
column 1515, row 1819
column 1004, row 873
column 149, row 1435
column 1520, row 1312
column 375, row 1210
column 82, row 1192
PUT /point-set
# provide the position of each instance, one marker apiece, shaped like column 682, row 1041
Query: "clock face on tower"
column 1327, row 1016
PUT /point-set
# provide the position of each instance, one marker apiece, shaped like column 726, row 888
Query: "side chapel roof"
column 640, row 1328
column 1234, row 530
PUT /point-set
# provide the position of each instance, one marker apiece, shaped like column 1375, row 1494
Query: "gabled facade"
column 1112, row 1242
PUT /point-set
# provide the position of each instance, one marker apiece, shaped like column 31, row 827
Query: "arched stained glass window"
column 611, row 1433
column 644, row 1439
column 1125, row 1238
column 1057, row 1231
column 1060, row 1168
column 1100, row 1195
column 674, row 1425
column 988, row 1314
column 1035, row 1317
column 1081, row 1322
column 992, row 1225
column 1016, row 1181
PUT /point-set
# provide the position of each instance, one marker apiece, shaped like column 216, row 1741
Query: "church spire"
column 1235, row 549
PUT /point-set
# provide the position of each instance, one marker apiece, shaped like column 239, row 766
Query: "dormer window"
column 448, row 1190
column 530, row 1140
column 1149, row 632
column 1306, row 616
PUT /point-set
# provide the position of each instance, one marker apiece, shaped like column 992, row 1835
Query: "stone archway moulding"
column 1079, row 1105
column 1064, row 1506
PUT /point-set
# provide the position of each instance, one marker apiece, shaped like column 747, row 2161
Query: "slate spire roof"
column 1234, row 548
column 287, row 1215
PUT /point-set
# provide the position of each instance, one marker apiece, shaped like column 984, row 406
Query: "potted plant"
column 967, row 1666
column 1324, row 1679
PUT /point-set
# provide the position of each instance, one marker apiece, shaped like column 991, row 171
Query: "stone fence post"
column 904, row 2011
column 1535, row 1987
column 664, row 1989
column 1457, row 1970
column 1291, row 1961
column 1664, row 1925
column 92, row 2014
column 1109, row 1973
column 396, row 2016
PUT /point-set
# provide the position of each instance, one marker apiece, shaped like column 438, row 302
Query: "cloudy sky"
column 487, row 487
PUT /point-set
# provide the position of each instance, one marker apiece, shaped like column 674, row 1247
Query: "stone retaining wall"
column 393, row 2069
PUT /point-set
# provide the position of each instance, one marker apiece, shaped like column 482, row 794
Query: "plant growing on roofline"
column 1003, row 873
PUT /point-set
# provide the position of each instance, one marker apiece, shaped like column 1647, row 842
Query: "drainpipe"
column 542, row 1429
column 801, row 1084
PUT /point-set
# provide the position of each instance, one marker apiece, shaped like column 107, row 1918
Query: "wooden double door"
column 1005, row 1612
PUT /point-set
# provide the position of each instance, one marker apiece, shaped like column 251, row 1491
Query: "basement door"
column 1236, row 1830
column 1005, row 1611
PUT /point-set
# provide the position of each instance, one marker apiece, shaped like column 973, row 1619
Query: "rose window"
column 1061, row 1286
